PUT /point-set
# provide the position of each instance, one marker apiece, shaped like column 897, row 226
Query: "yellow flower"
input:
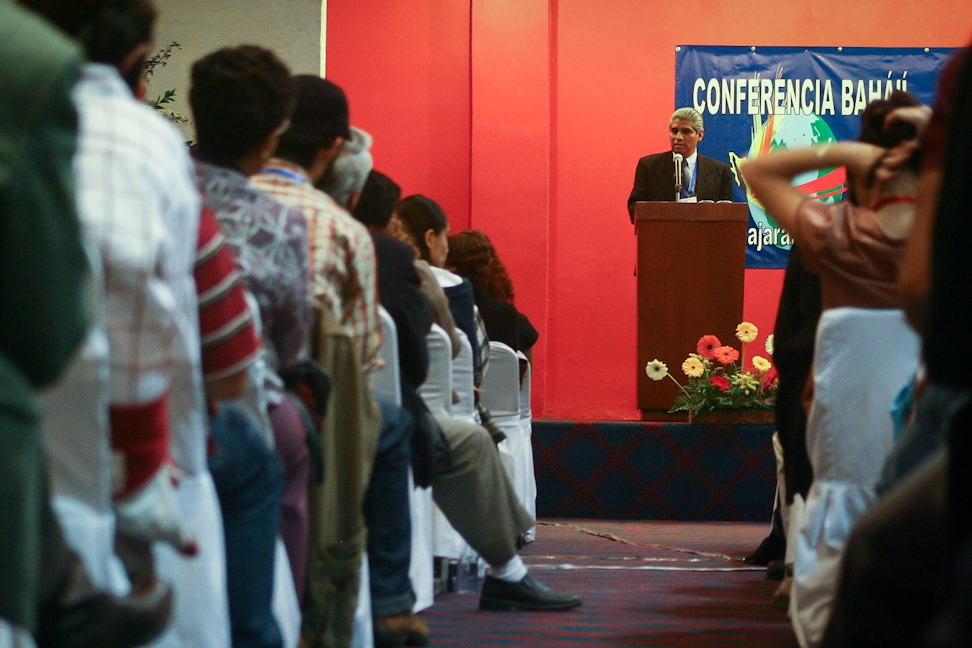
column 746, row 332
column 769, row 343
column 761, row 363
column 656, row 370
column 693, row 367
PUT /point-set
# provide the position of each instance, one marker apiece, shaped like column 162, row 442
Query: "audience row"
column 193, row 358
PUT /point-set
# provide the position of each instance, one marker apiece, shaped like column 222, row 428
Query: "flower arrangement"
column 716, row 381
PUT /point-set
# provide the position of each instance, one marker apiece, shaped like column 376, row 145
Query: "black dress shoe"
column 771, row 548
column 528, row 594
column 776, row 570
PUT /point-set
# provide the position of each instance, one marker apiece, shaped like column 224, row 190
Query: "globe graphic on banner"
column 791, row 132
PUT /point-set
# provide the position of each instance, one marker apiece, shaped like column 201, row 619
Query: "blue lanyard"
column 296, row 177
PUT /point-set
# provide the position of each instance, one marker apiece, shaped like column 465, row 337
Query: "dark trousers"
column 388, row 515
column 249, row 483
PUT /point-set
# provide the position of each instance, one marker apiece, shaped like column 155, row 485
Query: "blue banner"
column 756, row 99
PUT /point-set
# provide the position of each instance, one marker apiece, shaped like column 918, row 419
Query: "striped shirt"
column 342, row 254
column 227, row 332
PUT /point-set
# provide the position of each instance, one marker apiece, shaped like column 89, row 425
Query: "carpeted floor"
column 642, row 583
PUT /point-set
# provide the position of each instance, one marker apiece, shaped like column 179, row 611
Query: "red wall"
column 525, row 118
column 405, row 69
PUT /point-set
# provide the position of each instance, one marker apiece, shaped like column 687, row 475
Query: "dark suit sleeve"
column 725, row 187
column 401, row 295
column 640, row 189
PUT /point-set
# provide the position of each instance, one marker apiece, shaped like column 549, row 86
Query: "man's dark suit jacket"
column 399, row 293
column 654, row 180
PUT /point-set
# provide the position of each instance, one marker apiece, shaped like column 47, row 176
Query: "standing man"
column 42, row 312
column 242, row 99
column 343, row 277
column 138, row 199
column 703, row 178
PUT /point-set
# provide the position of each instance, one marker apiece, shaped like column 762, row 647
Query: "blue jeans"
column 387, row 514
column 249, row 483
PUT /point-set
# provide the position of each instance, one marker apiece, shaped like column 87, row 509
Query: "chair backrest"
column 436, row 391
column 501, row 383
column 462, row 380
column 386, row 381
column 525, row 410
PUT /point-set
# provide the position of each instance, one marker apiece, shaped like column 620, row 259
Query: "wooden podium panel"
column 691, row 267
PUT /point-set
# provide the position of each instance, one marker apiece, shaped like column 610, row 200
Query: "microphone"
column 677, row 159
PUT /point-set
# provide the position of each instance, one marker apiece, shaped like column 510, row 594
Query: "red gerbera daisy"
column 725, row 354
column 707, row 344
column 720, row 381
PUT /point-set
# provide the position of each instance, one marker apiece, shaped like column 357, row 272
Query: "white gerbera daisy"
column 656, row 370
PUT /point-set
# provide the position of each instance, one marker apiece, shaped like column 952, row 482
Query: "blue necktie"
column 686, row 180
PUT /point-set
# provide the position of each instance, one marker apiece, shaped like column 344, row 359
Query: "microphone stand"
column 677, row 159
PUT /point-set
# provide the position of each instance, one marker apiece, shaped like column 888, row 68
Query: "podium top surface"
column 688, row 211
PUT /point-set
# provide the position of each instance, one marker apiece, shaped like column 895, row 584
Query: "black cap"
column 321, row 113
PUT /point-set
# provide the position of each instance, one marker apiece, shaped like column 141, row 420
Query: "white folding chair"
column 386, row 382
column 501, row 395
column 526, row 426
column 462, row 381
column 362, row 633
column 436, row 391
column 447, row 541
column 286, row 610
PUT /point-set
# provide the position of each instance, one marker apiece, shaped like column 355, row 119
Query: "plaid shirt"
column 342, row 254
column 140, row 208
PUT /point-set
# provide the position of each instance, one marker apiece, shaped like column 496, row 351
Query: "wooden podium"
column 691, row 266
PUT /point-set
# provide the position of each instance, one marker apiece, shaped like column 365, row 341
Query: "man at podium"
column 682, row 173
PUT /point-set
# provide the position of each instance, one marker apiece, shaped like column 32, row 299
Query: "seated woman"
column 472, row 255
column 865, row 351
column 427, row 229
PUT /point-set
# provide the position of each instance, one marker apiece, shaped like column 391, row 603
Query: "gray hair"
column 350, row 168
column 689, row 115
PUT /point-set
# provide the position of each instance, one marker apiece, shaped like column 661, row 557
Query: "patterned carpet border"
column 654, row 471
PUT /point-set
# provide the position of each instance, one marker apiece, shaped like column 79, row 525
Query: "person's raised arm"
column 770, row 177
